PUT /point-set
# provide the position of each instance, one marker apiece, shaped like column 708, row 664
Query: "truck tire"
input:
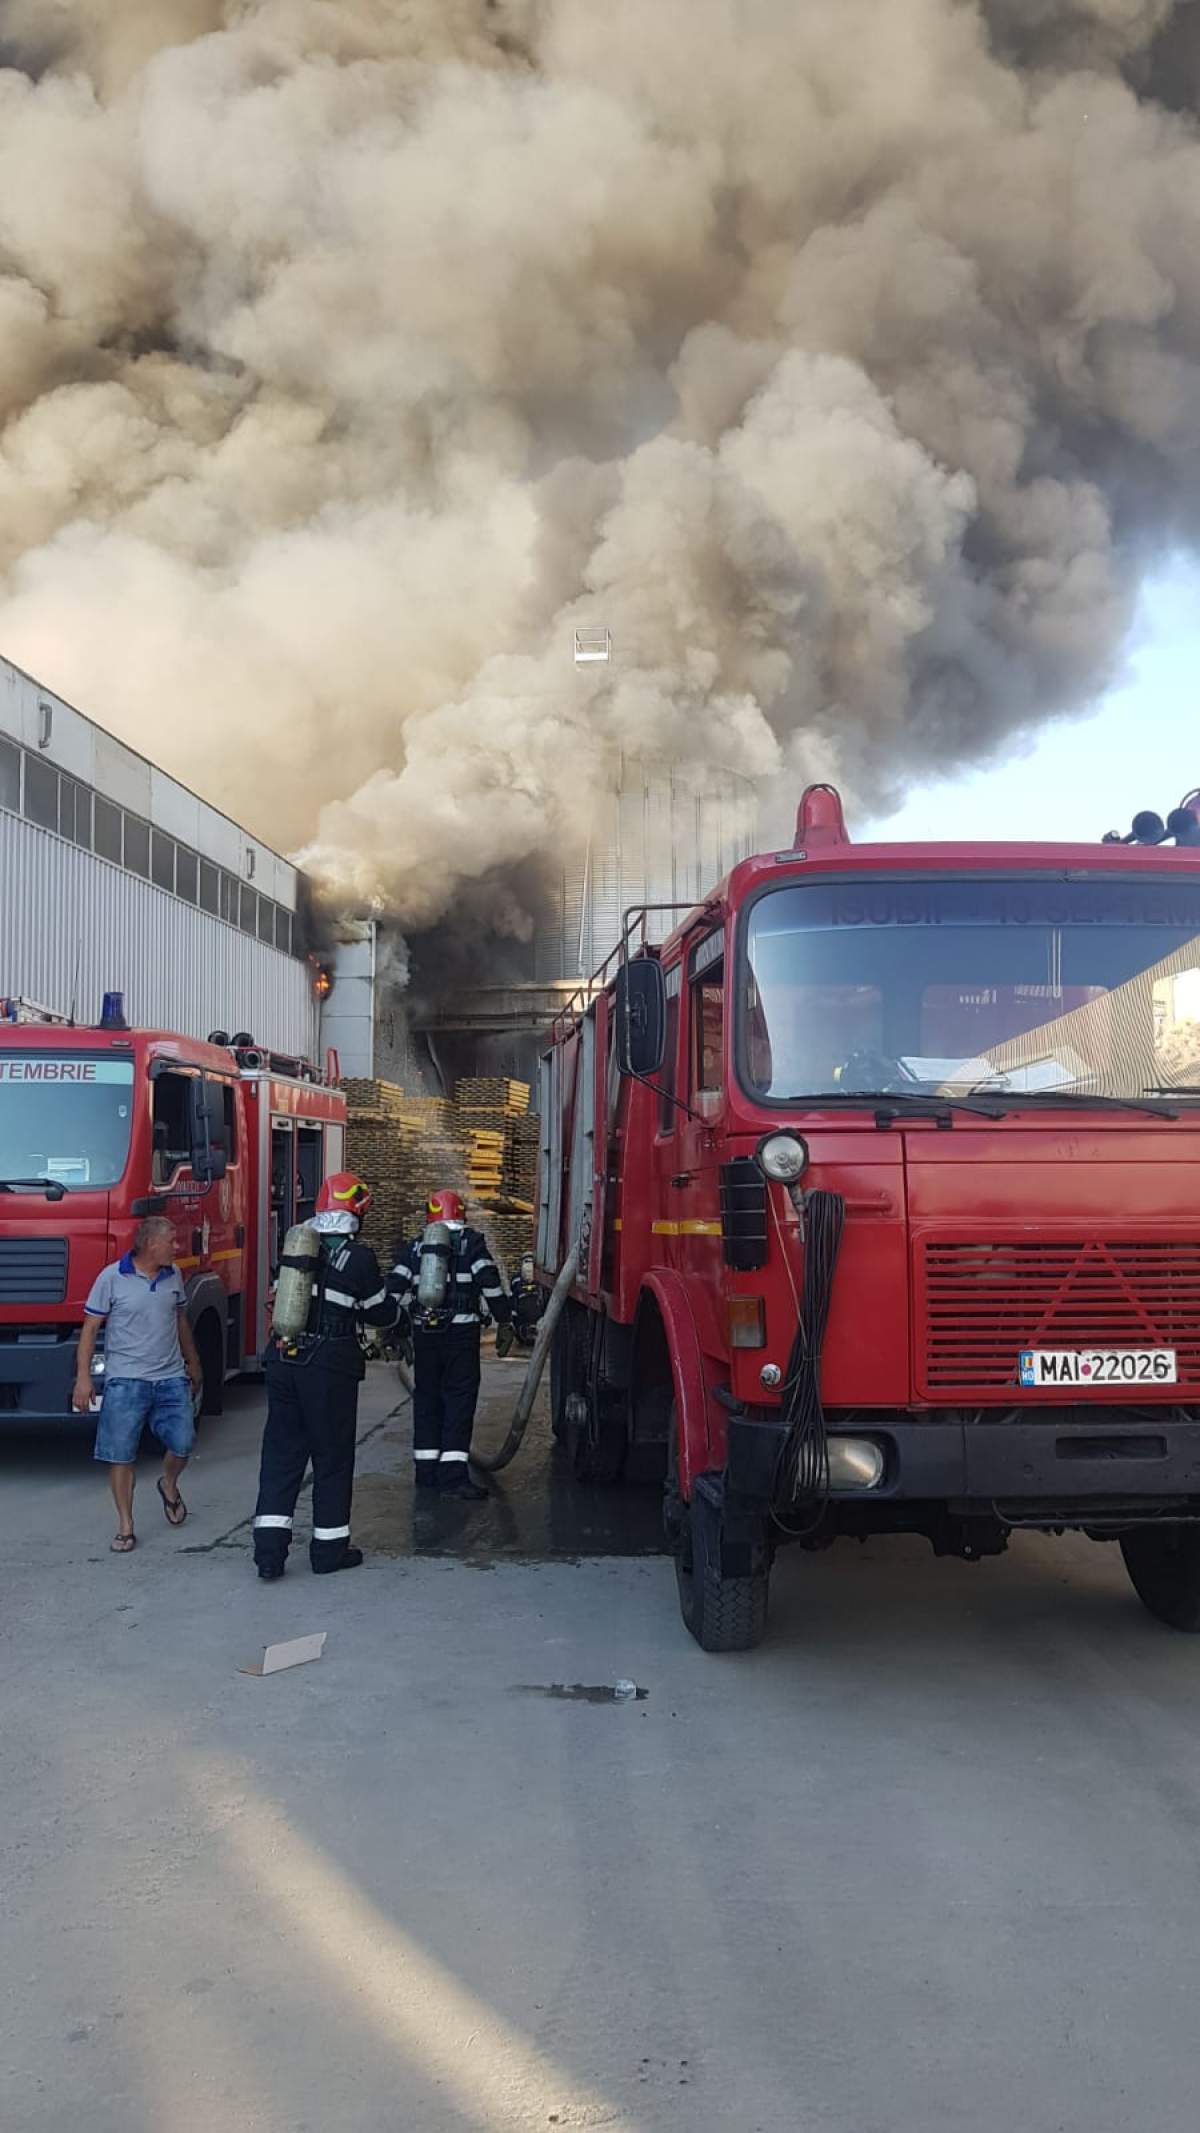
column 211, row 1350
column 723, row 1614
column 594, row 1442
column 1164, row 1569
column 560, row 1375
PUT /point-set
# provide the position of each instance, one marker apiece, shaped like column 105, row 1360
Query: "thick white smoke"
column 841, row 358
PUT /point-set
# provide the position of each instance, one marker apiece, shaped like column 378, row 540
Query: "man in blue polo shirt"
column 151, row 1371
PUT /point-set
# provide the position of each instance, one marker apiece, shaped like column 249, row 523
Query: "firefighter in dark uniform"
column 528, row 1303
column 312, row 1390
column 445, row 1341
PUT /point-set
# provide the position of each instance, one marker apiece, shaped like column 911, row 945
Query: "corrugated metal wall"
column 661, row 836
column 73, row 927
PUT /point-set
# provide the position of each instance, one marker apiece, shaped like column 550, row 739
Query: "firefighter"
column 528, row 1302
column 312, row 1390
column 445, row 1339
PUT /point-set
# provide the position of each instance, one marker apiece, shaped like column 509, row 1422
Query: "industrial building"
column 662, row 836
column 114, row 877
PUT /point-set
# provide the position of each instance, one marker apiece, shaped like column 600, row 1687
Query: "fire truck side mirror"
column 209, row 1155
column 641, row 1016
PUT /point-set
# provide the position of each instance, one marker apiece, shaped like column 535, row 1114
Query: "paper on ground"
column 296, row 1652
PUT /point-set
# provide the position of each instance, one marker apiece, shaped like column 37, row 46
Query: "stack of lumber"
column 483, row 1144
column 496, row 1111
column 522, row 1154
column 509, row 1236
column 485, row 1163
column 405, row 1147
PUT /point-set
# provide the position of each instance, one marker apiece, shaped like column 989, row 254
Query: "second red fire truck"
column 884, row 1172
column 102, row 1126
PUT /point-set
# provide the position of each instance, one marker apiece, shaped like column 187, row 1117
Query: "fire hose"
column 491, row 1462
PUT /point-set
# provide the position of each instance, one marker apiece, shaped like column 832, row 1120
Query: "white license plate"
column 1098, row 1366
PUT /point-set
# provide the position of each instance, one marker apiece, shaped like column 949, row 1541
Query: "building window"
column 137, row 846
column 107, row 830
column 41, row 792
column 162, row 861
column 10, row 776
column 186, row 865
column 31, row 785
column 75, row 812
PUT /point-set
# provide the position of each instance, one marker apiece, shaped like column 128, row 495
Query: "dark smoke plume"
column 842, row 357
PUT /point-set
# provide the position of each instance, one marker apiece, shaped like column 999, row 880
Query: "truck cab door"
column 671, row 1153
column 693, row 1196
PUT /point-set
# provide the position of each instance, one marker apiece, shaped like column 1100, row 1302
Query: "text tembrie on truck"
column 884, row 1169
column 102, row 1126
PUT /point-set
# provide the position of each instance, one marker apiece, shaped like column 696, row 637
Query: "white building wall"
column 72, row 927
column 348, row 1016
column 661, row 835
column 37, row 719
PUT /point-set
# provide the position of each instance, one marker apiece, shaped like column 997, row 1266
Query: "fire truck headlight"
column 783, row 1156
column 855, row 1463
column 97, row 1366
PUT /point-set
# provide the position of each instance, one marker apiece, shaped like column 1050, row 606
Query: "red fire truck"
column 884, row 1172
column 99, row 1127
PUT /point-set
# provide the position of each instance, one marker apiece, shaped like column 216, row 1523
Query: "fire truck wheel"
column 595, row 1441
column 212, row 1362
column 1164, row 1569
column 560, row 1375
column 724, row 1614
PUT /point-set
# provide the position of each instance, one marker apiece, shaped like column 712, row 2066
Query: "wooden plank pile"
column 523, row 1155
column 483, row 1144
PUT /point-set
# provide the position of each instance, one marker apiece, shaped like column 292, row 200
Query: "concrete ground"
column 927, row 1859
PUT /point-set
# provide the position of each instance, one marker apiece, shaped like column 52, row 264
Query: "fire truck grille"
column 33, row 1270
column 980, row 1304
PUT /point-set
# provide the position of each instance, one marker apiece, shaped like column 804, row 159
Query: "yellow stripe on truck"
column 685, row 1229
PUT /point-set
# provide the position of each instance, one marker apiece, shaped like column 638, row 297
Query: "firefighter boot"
column 457, row 1481
column 349, row 1559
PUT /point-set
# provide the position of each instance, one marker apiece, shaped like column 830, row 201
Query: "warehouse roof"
column 41, row 728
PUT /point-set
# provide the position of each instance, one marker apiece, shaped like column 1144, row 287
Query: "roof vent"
column 593, row 646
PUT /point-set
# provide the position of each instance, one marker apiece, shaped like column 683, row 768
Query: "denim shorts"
column 130, row 1403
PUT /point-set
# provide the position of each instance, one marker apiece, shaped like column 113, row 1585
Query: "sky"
column 1078, row 777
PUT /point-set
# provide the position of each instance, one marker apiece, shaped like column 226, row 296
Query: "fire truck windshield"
column 1022, row 985
column 64, row 1117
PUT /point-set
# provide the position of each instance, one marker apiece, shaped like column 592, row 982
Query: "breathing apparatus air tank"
column 433, row 1267
column 297, row 1273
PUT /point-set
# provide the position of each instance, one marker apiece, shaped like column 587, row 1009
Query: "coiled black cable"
column 802, row 1472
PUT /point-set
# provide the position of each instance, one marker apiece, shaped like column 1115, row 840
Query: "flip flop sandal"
column 172, row 1504
column 123, row 1544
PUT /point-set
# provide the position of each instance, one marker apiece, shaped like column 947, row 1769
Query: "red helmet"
column 344, row 1194
column 446, row 1207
